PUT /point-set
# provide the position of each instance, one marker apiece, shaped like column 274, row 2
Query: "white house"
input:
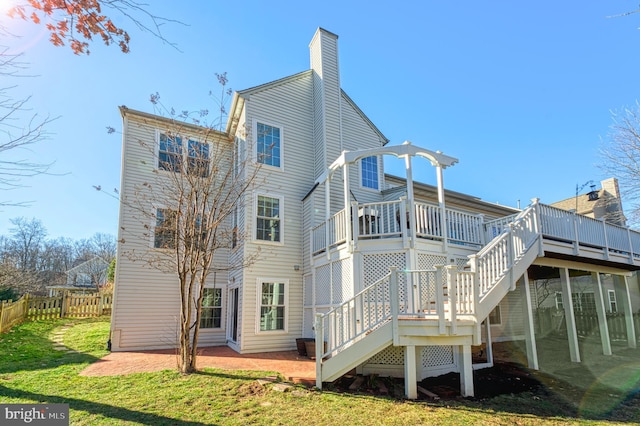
column 396, row 277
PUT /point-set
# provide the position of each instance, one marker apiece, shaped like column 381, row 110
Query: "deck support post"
column 570, row 319
column 319, row 349
column 410, row 373
column 602, row 316
column 529, row 332
column 466, row 370
column 621, row 286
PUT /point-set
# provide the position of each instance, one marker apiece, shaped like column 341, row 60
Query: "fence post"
column 26, row 306
column 63, row 304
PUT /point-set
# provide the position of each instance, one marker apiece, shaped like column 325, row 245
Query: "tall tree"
column 199, row 183
column 621, row 157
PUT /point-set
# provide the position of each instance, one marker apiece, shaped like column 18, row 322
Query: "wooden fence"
column 549, row 320
column 68, row 305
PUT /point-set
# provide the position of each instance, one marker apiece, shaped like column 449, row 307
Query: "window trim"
column 280, row 199
column 154, row 225
column 220, row 307
column 184, row 158
column 259, row 282
column 559, row 303
column 361, row 174
column 615, row 301
column 254, row 129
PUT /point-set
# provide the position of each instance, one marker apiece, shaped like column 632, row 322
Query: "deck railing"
column 567, row 226
column 384, row 220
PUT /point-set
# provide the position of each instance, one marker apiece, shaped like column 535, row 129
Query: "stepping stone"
column 282, row 387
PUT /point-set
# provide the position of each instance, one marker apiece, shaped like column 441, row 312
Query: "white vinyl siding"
column 146, row 300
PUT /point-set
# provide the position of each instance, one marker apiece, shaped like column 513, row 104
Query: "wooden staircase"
column 443, row 306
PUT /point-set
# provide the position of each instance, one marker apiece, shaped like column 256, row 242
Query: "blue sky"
column 520, row 92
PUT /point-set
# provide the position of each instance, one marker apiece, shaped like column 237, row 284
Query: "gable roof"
column 240, row 96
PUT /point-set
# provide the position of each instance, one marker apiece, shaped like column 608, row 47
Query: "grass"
column 32, row 371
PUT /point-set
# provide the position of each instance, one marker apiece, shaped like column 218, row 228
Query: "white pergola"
column 406, row 150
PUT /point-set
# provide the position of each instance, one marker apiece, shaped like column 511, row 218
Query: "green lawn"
column 31, row 371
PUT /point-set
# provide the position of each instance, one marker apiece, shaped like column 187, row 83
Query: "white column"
column 443, row 211
column 347, row 207
column 621, row 285
column 410, row 374
column 529, row 332
column 602, row 315
column 570, row 318
column 466, row 370
column 411, row 208
column 327, row 214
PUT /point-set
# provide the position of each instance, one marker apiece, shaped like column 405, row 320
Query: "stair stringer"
column 507, row 282
column 361, row 350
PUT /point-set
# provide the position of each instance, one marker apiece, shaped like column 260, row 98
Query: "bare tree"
column 621, row 157
column 191, row 197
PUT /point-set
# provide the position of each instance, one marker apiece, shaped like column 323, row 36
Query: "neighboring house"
column 90, row 273
column 396, row 277
column 604, row 203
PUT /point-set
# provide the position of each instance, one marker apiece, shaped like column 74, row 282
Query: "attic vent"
column 593, row 195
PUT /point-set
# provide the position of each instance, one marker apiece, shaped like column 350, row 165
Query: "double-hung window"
column 268, row 144
column 272, row 305
column 268, row 219
column 170, row 153
column 198, row 158
column 176, row 156
column 211, row 315
column 369, row 172
column 613, row 304
column 165, row 229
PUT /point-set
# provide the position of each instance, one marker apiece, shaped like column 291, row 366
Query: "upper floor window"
column 198, row 157
column 211, row 315
column 369, row 171
column 268, row 144
column 165, row 229
column 268, row 219
column 170, row 153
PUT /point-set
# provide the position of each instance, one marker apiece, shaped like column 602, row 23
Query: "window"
column 369, row 169
column 211, row 315
column 559, row 304
column 268, row 219
column 613, row 303
column 584, row 302
column 165, row 231
column 272, row 306
column 170, row 153
column 198, row 158
column 495, row 317
column 268, row 142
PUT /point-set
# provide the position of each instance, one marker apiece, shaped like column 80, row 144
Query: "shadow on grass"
column 25, row 348
column 104, row 410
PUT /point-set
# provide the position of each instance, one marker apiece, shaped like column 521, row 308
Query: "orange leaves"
column 74, row 21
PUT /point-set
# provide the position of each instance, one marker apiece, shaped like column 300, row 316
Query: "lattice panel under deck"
column 429, row 261
column 323, row 285
column 376, row 266
column 393, row 355
column 434, row 356
column 342, row 280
